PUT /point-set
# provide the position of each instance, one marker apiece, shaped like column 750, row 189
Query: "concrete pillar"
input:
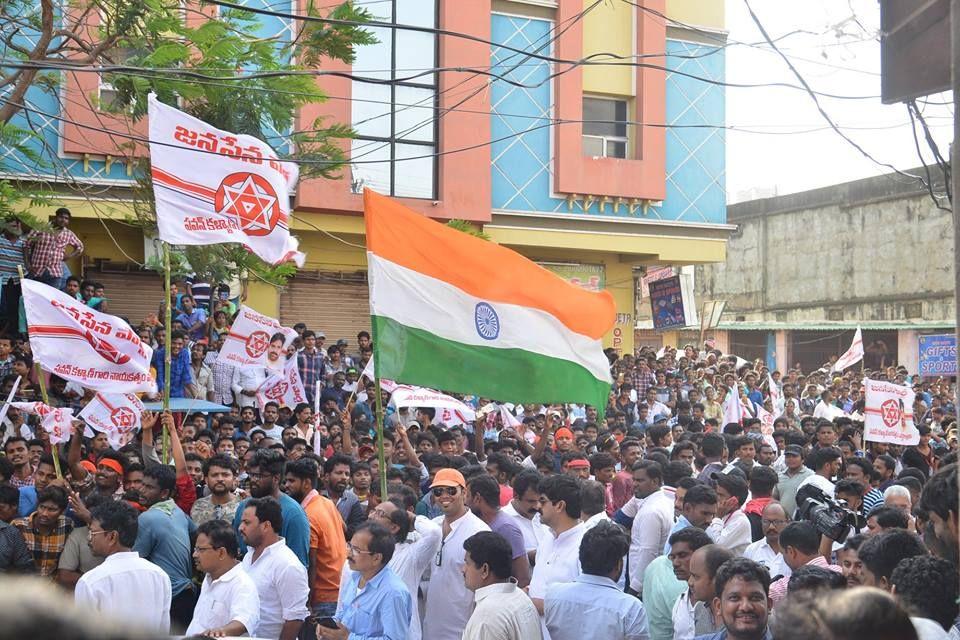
column 907, row 353
column 783, row 350
column 722, row 339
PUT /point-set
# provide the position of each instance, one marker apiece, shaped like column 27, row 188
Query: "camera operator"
column 826, row 463
column 800, row 542
column 851, row 492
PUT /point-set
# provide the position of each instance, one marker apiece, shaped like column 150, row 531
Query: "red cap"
column 578, row 463
column 563, row 432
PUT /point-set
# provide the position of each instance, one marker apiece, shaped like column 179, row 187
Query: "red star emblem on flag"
column 890, row 412
column 251, row 201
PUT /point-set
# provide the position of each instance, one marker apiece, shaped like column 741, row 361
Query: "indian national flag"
column 459, row 313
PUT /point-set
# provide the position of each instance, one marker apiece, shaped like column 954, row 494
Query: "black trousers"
column 181, row 610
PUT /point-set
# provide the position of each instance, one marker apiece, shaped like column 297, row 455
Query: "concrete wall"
column 871, row 250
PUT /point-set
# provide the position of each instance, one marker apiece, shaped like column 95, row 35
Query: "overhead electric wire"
column 612, row 59
column 824, row 114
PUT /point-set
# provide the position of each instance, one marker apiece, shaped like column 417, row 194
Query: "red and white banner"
column 776, row 395
column 888, row 414
column 853, row 355
column 213, row 186
column 286, row 388
column 449, row 410
column 93, row 349
column 56, row 421
column 248, row 342
column 732, row 409
column 116, row 414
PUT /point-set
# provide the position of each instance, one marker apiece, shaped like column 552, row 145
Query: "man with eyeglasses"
column 375, row 602
column 229, row 604
column 266, row 474
column 417, row 538
column 449, row 602
column 125, row 587
column 766, row 550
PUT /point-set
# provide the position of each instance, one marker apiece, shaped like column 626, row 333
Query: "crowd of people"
column 651, row 517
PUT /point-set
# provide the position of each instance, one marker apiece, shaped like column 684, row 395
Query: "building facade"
column 596, row 171
column 803, row 271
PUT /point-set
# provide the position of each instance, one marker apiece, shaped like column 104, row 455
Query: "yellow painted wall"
column 609, row 27
column 700, row 13
column 264, row 298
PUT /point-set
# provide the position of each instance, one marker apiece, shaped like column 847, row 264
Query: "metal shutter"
column 338, row 304
column 131, row 292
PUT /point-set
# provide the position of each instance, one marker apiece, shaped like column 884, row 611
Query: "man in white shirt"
column 558, row 557
column 229, row 604
column 524, row 509
column 449, row 602
column 503, row 611
column 125, row 587
column 652, row 511
column 280, row 577
column 246, row 381
column 766, row 550
column 731, row 529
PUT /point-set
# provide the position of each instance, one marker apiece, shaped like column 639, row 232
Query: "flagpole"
column 167, row 322
column 43, row 394
column 381, row 456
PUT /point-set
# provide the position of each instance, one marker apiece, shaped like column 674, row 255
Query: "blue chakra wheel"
column 487, row 321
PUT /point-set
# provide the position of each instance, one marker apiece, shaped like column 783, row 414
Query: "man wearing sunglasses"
column 449, row 602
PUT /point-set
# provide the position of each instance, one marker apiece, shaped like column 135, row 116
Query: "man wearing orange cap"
column 449, row 602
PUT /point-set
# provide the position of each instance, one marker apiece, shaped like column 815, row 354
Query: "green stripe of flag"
column 421, row 358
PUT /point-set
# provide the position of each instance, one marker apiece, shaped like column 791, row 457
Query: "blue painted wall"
column 45, row 111
column 522, row 168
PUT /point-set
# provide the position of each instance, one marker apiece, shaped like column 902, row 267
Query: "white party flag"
column 213, row 186
column 284, row 388
column 888, row 413
column 248, row 342
column 77, row 343
column 853, row 355
column 116, row 414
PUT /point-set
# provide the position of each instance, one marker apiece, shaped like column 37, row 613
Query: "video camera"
column 831, row 517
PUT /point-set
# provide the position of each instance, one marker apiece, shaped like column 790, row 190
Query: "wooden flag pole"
column 167, row 322
column 46, row 398
column 381, row 456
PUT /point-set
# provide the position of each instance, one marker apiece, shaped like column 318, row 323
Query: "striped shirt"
column 778, row 590
column 11, row 256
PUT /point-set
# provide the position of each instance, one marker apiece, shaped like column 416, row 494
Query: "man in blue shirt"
column 592, row 606
column 181, row 374
column 266, row 472
column 194, row 319
column 375, row 602
column 163, row 538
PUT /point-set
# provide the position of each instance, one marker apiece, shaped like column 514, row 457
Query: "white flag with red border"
column 853, row 355
column 213, row 186
column 248, row 342
column 56, row 421
column 284, row 388
column 888, row 413
column 115, row 414
column 94, row 349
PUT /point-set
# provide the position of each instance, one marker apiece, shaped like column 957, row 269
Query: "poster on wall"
column 652, row 275
column 587, row 276
column 938, row 355
column 671, row 304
